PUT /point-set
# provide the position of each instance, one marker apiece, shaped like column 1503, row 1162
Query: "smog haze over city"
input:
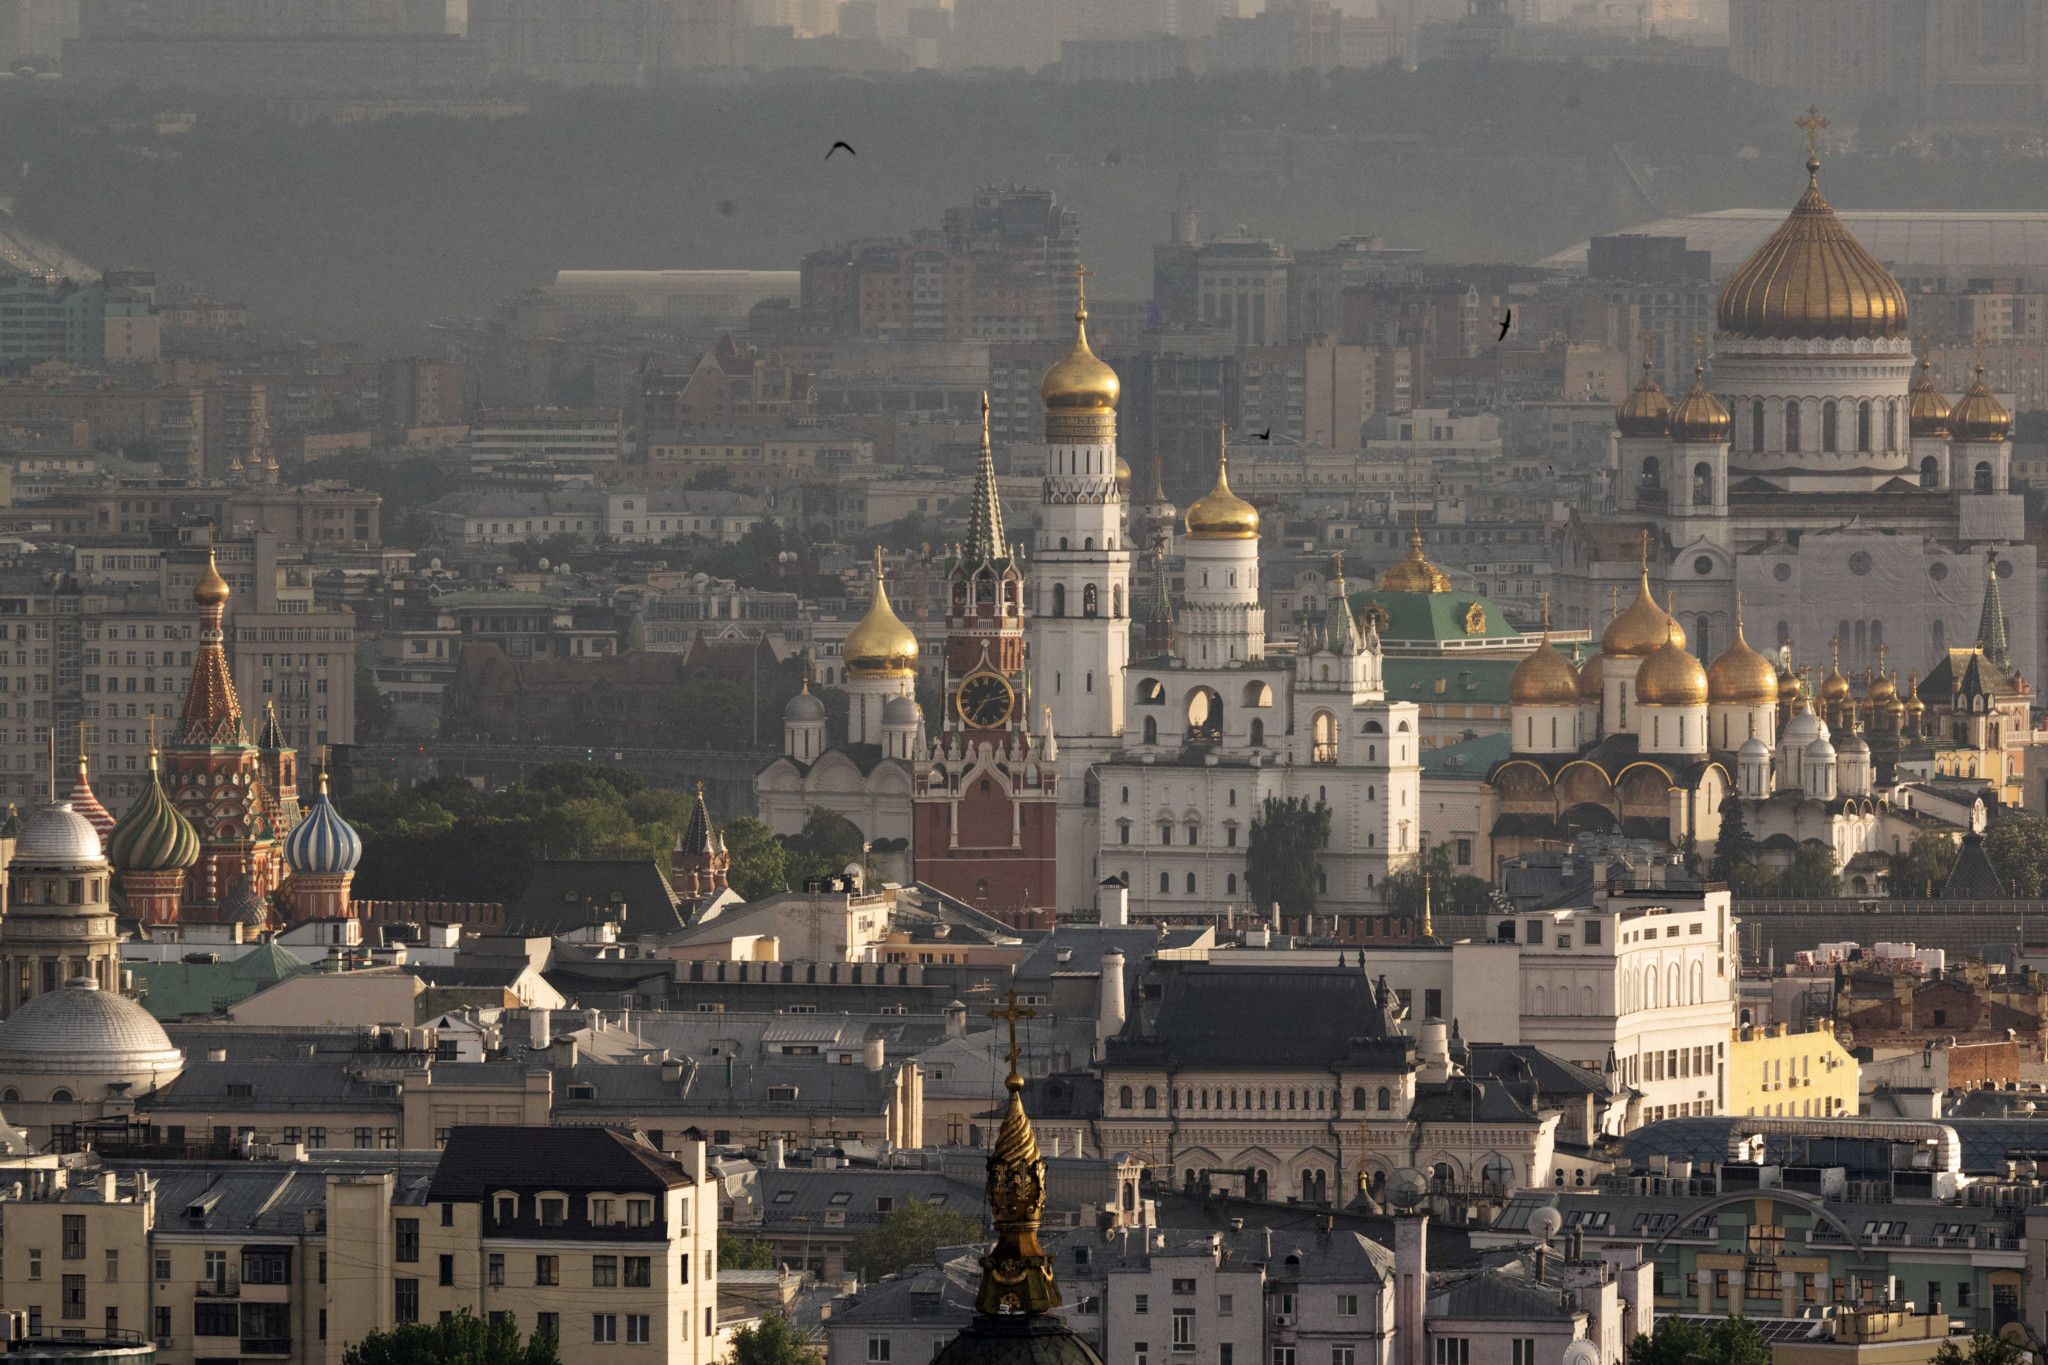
column 1023, row 682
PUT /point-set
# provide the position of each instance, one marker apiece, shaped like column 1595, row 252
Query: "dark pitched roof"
column 1554, row 1077
column 567, row 894
column 1972, row 877
column 1264, row 1018
column 479, row 1160
column 1463, row 1099
column 1494, row 1296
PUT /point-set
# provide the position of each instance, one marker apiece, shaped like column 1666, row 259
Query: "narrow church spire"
column 1991, row 621
column 1016, row 1275
column 985, row 516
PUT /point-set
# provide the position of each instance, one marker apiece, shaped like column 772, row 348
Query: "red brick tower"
column 984, row 813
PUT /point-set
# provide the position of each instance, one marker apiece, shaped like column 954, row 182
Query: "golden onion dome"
column 1592, row 677
column 1791, row 689
column 1123, row 478
column 1812, row 280
column 1221, row 514
column 1080, row 379
column 1415, row 573
column 880, row 646
column 1927, row 413
column 1546, row 677
column 1741, row 676
column 1836, row 686
column 1646, row 411
column 212, row 589
column 1699, row 415
column 1913, row 705
column 1671, row 677
column 1644, row 627
column 1882, row 691
column 1977, row 416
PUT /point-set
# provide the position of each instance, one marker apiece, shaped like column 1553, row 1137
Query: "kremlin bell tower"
column 1081, row 578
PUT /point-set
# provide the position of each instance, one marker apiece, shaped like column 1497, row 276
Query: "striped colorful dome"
column 323, row 843
column 88, row 805
column 152, row 836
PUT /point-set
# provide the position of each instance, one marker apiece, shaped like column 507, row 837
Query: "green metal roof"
column 1467, row 681
column 1433, row 615
column 179, row 990
column 1468, row 760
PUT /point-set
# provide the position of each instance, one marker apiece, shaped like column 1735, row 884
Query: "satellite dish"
column 1406, row 1188
column 1545, row 1223
column 543, row 564
column 1582, row 1353
column 434, row 563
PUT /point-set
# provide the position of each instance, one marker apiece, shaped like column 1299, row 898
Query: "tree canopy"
column 1676, row 1341
column 445, row 840
column 2017, row 845
column 463, row 1339
column 1283, row 856
column 1735, row 851
column 908, row 1235
column 1450, row 891
column 1984, row 1349
column 743, row 1253
column 1920, row 868
column 772, row 1341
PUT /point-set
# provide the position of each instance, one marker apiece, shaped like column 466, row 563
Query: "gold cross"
column 878, row 568
column 1337, row 564
column 1699, row 349
column 1081, row 274
column 1013, row 1013
column 1647, row 339
column 1546, row 616
column 1812, row 122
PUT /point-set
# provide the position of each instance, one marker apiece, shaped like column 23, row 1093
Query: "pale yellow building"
column 1775, row 1072
column 292, row 1256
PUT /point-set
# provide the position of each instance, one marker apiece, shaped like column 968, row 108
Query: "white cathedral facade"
column 1839, row 498
column 1167, row 760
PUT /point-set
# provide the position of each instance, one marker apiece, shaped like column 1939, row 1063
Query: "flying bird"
column 1266, row 435
column 1506, row 323
column 837, row 145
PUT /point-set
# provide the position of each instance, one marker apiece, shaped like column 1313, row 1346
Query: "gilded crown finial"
column 1081, row 274
column 1546, row 618
column 1016, row 1275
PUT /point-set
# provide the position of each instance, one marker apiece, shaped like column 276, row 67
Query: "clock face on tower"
column 985, row 700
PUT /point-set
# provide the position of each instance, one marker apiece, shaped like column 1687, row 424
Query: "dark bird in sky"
column 1506, row 323
column 837, row 145
column 1266, row 435
column 727, row 207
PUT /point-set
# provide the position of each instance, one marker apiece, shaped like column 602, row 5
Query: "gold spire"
column 1220, row 514
column 1834, row 688
column 1428, row 926
column 1016, row 1275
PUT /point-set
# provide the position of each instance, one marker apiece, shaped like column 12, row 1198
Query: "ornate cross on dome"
column 1337, row 566
column 1012, row 1013
column 1546, row 616
column 1647, row 339
column 1812, row 123
column 1081, row 274
column 1699, row 350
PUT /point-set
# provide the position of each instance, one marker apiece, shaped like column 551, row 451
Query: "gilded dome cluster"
column 1644, row 628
